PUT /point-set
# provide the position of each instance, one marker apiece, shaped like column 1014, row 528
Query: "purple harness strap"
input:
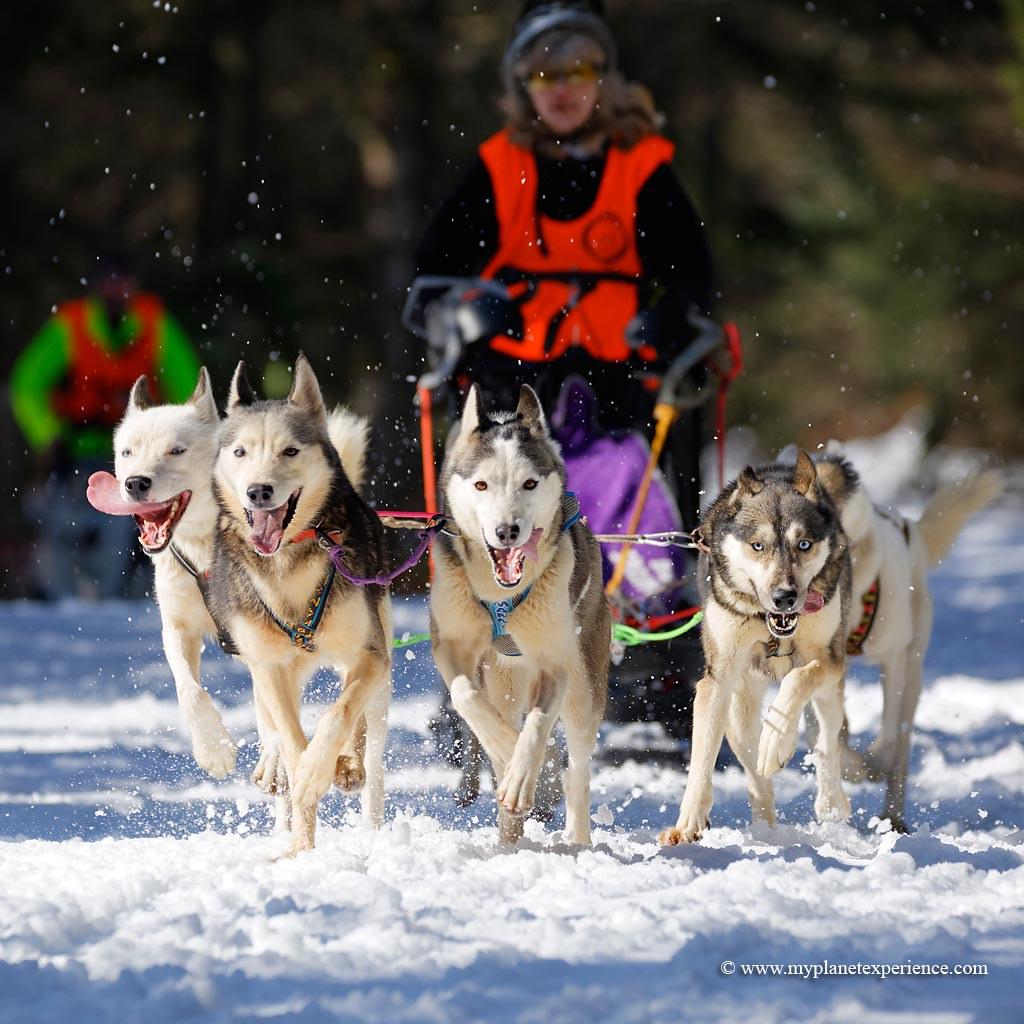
column 382, row 579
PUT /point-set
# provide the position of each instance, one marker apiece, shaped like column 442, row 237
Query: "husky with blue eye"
column 775, row 576
column 520, row 625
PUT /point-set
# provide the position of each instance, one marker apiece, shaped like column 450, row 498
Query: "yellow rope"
column 664, row 416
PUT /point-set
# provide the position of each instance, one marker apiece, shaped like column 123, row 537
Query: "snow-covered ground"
column 132, row 888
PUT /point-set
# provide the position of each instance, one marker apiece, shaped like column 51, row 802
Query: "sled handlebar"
column 677, row 388
column 437, row 321
column 440, row 322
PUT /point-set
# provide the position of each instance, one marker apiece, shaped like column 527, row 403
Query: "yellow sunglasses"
column 583, row 74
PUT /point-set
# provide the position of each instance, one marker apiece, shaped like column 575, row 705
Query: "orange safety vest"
column 577, row 281
column 99, row 381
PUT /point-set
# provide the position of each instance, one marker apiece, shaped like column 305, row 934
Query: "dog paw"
column 832, row 806
column 777, row 744
column 313, row 777
column 214, row 750
column 515, row 791
column 683, row 833
column 269, row 775
column 349, row 774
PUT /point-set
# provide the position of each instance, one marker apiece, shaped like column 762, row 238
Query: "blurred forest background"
column 271, row 165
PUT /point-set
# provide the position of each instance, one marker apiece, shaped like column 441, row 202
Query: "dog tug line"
column 432, row 523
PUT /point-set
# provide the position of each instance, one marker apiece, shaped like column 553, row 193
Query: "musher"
column 68, row 389
column 575, row 207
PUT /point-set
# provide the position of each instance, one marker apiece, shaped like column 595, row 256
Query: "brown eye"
column 529, row 485
column 481, row 485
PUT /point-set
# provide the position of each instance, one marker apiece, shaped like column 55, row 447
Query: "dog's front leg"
column 831, row 803
column 519, row 781
column 497, row 736
column 709, row 710
column 212, row 747
column 782, row 720
column 743, row 731
column 367, row 678
column 279, row 697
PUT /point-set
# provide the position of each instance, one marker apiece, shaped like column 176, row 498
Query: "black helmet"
column 538, row 18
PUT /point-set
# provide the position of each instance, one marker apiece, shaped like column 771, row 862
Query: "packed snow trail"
column 136, row 889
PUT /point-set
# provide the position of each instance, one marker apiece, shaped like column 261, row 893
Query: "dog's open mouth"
column 156, row 526
column 783, row 624
column 508, row 563
column 267, row 526
column 156, row 520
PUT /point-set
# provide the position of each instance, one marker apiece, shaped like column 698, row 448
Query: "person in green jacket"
column 68, row 389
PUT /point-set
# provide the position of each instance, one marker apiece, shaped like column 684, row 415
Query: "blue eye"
column 239, row 452
column 757, row 546
column 804, row 545
column 291, row 452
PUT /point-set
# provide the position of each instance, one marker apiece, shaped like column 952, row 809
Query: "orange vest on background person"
column 99, row 380
column 600, row 247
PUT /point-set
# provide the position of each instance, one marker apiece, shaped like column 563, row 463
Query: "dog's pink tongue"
column 268, row 529
column 104, row 494
column 529, row 549
column 814, row 603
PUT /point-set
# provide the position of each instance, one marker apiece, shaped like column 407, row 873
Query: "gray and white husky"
column 775, row 578
column 163, row 464
column 518, row 616
column 285, row 478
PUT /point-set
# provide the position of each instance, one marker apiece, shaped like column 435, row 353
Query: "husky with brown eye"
column 287, row 478
column 518, row 617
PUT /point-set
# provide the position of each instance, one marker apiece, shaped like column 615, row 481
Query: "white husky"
column 163, row 461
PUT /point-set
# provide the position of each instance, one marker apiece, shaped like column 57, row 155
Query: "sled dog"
column 891, row 621
column 518, row 617
column 163, row 464
column 775, row 580
column 285, row 480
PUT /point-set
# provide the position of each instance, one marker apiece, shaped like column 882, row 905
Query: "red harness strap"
column 869, row 609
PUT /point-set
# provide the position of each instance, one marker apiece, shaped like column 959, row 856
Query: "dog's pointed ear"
column 241, row 392
column 805, row 473
column 749, row 482
column 473, row 415
column 202, row 398
column 530, row 412
column 139, row 397
column 305, row 391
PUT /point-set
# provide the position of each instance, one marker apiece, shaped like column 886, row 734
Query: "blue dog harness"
column 499, row 611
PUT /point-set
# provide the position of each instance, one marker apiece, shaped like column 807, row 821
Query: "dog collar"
column 302, row 633
column 499, row 612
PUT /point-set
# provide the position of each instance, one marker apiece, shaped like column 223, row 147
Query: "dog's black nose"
column 260, row 494
column 784, row 600
column 138, row 486
column 507, row 533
